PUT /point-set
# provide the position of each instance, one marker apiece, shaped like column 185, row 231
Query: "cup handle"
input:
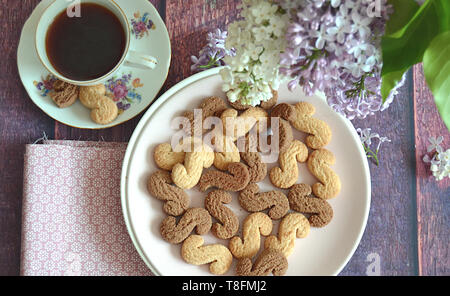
column 139, row 60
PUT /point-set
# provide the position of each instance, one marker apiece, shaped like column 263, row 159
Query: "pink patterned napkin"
column 72, row 217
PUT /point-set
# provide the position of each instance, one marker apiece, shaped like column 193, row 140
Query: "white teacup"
column 129, row 57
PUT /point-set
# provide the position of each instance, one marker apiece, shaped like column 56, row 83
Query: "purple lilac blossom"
column 213, row 53
column 334, row 47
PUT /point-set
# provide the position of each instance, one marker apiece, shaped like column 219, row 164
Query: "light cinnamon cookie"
column 301, row 118
column 89, row 95
column 319, row 130
column 105, row 111
column 166, row 158
column 255, row 225
column 287, row 174
column 319, row 163
column 228, row 152
column 194, row 252
column 188, row 174
column 292, row 226
column 236, row 125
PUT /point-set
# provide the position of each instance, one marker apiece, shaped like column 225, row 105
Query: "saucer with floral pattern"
column 132, row 89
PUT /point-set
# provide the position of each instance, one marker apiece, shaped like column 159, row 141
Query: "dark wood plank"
column 433, row 207
column 188, row 23
column 21, row 122
column 120, row 133
column 391, row 229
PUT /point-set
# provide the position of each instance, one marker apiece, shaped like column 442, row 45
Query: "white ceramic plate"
column 134, row 87
column 324, row 252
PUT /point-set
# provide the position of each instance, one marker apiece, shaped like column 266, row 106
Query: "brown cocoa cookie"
column 301, row 200
column 285, row 111
column 286, row 135
column 237, row 179
column 197, row 218
column 212, row 106
column 64, row 94
column 270, row 103
column 252, row 201
column 239, row 106
column 214, row 203
column 269, row 261
column 256, row 168
column 176, row 200
column 249, row 142
column 265, row 105
column 195, row 126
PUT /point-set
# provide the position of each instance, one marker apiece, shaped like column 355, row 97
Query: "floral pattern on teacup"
column 141, row 25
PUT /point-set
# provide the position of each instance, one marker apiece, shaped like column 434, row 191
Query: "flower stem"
column 213, row 62
column 360, row 87
column 372, row 155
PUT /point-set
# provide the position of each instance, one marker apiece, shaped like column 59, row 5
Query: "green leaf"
column 404, row 10
column 436, row 65
column 389, row 81
column 406, row 46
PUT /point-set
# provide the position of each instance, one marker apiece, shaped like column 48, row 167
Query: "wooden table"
column 408, row 228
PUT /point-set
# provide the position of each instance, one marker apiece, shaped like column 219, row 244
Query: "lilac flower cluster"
column 213, row 53
column 334, row 47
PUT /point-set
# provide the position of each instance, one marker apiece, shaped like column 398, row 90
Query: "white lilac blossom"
column 367, row 137
column 213, row 53
column 333, row 46
column 258, row 39
column 440, row 161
